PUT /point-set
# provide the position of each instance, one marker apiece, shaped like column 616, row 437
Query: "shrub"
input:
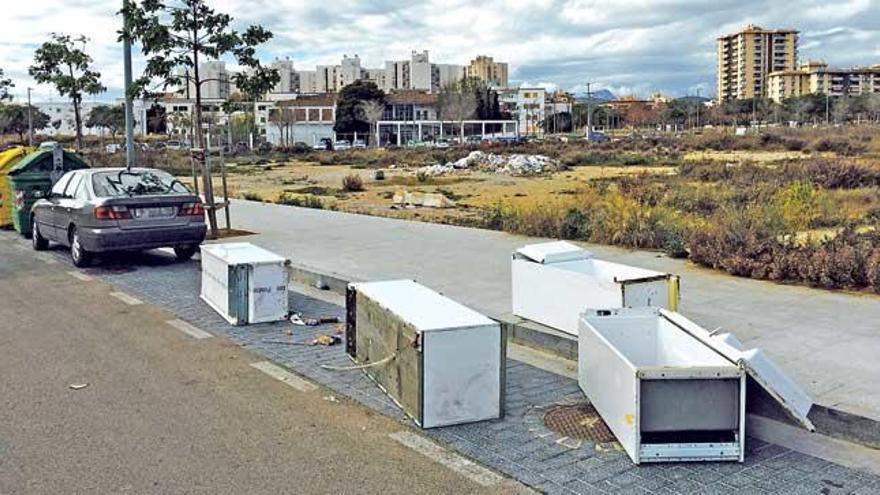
column 379, row 175
column 799, row 205
column 307, row 201
column 352, row 183
column 422, row 176
column 251, row 196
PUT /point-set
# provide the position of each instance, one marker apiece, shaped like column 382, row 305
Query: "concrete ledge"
column 828, row 421
column 324, row 281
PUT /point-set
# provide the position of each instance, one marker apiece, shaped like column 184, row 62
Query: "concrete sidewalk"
column 827, row 340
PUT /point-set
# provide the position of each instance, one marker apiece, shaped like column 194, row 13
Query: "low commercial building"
column 415, row 117
column 307, row 119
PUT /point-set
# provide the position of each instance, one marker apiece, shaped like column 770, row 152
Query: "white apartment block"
column 288, row 78
column 815, row 77
column 527, row 106
column 416, row 73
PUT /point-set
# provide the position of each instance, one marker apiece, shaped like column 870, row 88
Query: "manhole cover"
column 578, row 421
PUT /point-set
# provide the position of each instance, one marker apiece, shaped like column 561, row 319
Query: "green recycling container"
column 32, row 178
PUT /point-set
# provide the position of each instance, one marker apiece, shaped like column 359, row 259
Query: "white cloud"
column 635, row 46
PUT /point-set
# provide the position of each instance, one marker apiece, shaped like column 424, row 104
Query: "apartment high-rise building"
column 746, row 58
column 817, row 78
column 288, row 77
column 216, row 83
column 494, row 74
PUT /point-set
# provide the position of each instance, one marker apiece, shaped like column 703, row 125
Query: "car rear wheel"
column 184, row 253
column 78, row 254
column 37, row 240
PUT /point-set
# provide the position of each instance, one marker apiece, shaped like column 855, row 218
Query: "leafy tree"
column 5, row 85
column 487, row 105
column 349, row 114
column 64, row 63
column 14, row 119
column 798, row 108
column 842, row 109
column 871, row 104
column 177, row 34
column 111, row 118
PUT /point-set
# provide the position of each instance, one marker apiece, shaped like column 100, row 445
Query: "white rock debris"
column 499, row 164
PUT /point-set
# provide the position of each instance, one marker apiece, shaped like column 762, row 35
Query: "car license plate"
column 153, row 212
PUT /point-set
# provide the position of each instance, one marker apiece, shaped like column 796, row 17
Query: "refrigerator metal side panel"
column 462, row 375
column 556, row 297
column 611, row 385
column 267, row 292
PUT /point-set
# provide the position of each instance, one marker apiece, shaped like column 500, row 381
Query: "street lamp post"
column 129, row 111
column 30, row 121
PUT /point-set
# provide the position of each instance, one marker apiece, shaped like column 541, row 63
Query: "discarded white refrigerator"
column 665, row 395
column 554, row 282
column 244, row 283
column 442, row 362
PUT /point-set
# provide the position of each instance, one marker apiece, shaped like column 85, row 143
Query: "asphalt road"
column 166, row 413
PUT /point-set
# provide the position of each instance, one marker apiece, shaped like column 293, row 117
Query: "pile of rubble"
column 499, row 164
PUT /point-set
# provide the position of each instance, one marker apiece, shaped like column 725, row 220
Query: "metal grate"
column 578, row 421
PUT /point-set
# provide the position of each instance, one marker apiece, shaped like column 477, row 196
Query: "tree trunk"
column 207, row 185
column 75, row 96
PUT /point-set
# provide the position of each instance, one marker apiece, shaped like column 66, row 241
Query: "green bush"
column 379, row 175
column 251, row 196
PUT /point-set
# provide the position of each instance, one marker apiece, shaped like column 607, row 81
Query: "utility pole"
column 589, row 113
column 129, row 111
column 30, row 121
column 699, row 104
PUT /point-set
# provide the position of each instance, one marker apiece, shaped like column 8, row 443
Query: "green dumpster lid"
column 71, row 161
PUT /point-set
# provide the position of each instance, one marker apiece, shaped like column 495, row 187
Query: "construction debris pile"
column 500, row 164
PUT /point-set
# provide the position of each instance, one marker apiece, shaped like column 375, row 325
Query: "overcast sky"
column 627, row 46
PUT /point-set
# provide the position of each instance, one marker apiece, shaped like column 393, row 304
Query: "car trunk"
column 153, row 211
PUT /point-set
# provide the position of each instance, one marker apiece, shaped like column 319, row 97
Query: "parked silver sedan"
column 114, row 209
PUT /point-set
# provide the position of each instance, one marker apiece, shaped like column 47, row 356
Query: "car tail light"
column 112, row 213
column 192, row 209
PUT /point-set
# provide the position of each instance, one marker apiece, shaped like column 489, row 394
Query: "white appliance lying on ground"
column 245, row 283
column 668, row 390
column 554, row 282
column 442, row 362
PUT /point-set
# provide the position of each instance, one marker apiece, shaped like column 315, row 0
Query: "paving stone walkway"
column 516, row 445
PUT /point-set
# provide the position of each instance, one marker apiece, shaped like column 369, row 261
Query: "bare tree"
column 456, row 103
column 283, row 118
column 372, row 112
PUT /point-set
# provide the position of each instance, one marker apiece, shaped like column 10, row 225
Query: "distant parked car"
column 442, row 143
column 342, row 145
column 114, row 148
column 359, row 143
column 597, row 137
column 114, row 209
column 323, row 144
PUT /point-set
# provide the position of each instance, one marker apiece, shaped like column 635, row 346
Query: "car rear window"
column 136, row 183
